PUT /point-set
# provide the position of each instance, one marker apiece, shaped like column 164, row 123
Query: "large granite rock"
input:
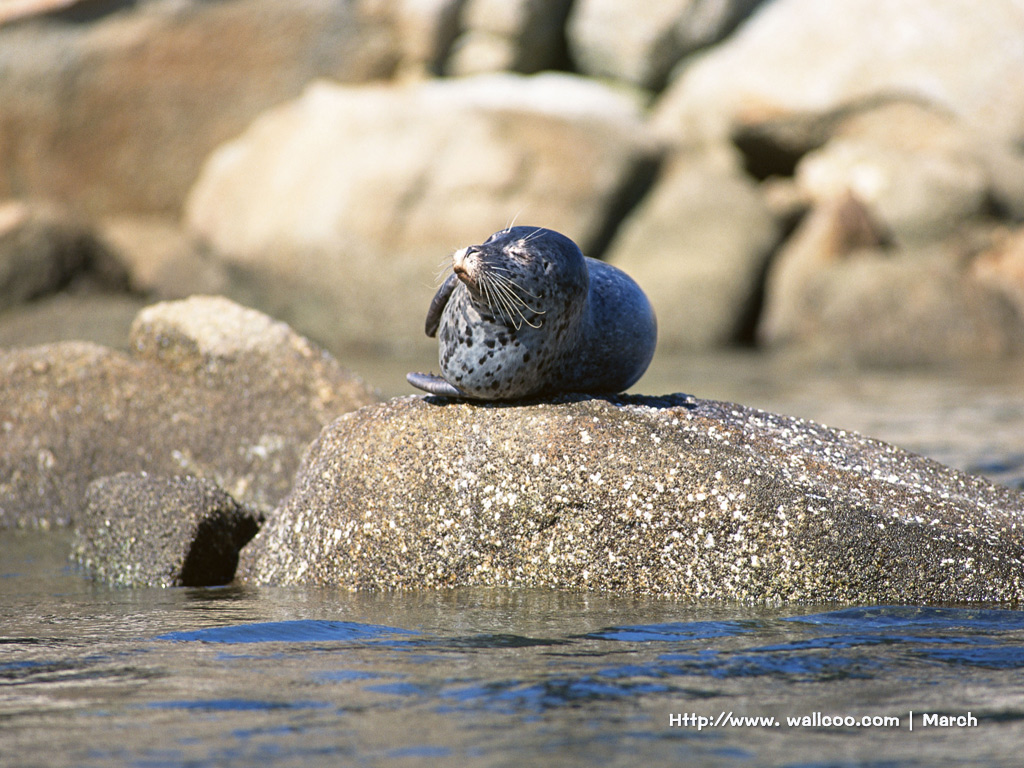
column 665, row 496
column 425, row 30
column 162, row 261
column 510, row 35
column 332, row 214
column 838, row 291
column 138, row 530
column 97, row 316
column 1001, row 268
column 640, row 43
column 114, row 106
column 698, row 244
column 920, row 172
column 807, row 56
column 210, row 389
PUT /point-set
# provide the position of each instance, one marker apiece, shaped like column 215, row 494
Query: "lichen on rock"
column 663, row 496
column 140, row 530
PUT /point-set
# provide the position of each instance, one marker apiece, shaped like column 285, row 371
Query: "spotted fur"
column 526, row 313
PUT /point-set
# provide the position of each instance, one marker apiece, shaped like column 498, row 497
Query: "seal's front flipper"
column 438, row 304
column 435, row 385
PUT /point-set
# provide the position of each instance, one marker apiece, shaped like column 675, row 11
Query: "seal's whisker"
column 497, row 298
column 496, row 271
column 514, row 288
column 444, row 267
column 497, row 268
column 508, row 227
column 504, row 287
column 494, row 298
column 513, row 304
column 485, row 291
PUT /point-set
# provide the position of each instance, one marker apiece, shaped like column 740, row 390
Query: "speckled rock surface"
column 210, row 389
column 666, row 496
column 138, row 530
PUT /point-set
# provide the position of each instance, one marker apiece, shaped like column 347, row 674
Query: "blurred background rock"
column 844, row 179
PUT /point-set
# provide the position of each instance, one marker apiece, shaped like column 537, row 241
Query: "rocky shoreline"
column 210, row 389
column 167, row 461
column 266, row 187
column 774, row 174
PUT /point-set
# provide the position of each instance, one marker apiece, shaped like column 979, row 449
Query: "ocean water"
column 239, row 676
column 93, row 676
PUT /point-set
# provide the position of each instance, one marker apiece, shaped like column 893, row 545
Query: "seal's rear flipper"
column 435, row 385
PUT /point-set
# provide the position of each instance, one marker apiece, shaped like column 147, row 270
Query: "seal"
column 526, row 314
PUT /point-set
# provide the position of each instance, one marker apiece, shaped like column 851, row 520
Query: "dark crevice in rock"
column 622, row 205
column 745, row 334
column 764, row 157
column 89, row 11
column 213, row 557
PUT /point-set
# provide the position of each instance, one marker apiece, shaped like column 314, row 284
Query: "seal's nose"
column 461, row 261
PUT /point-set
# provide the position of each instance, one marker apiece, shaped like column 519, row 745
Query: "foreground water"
column 91, row 676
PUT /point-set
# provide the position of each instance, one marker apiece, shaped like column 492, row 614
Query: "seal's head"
column 523, row 276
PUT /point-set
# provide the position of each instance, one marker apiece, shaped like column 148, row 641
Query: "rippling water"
column 91, row 676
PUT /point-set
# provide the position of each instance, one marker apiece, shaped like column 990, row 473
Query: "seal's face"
column 521, row 275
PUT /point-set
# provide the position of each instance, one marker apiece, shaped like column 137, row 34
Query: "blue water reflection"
column 304, row 631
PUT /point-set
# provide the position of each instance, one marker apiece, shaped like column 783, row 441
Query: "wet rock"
column 806, row 56
column 139, row 530
column 665, row 496
column 640, row 44
column 210, row 389
column 114, row 107
column 510, row 35
column 329, row 212
column 698, row 244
